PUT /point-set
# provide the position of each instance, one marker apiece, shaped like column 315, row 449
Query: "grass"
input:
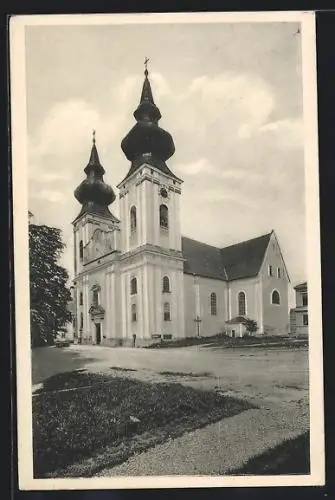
column 78, row 433
column 290, row 457
column 186, row 374
column 226, row 341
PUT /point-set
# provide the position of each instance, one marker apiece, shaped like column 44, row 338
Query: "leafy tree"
column 251, row 325
column 49, row 295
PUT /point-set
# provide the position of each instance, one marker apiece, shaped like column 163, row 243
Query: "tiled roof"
column 242, row 260
column 301, row 286
column 237, row 320
column 202, row 260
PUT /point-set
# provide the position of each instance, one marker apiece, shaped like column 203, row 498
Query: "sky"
column 230, row 95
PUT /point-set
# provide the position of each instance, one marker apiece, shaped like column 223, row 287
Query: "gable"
column 242, row 260
column 274, row 256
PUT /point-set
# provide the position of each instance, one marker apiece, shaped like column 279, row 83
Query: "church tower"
column 96, row 244
column 152, row 263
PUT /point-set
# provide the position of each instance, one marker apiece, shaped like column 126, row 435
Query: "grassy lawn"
column 290, row 457
column 84, row 422
column 226, row 341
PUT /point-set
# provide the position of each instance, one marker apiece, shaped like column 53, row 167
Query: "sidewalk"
column 218, row 448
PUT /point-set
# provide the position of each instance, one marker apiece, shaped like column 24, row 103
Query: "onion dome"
column 147, row 142
column 93, row 193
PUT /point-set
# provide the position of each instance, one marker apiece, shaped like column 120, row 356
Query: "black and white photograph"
column 166, row 250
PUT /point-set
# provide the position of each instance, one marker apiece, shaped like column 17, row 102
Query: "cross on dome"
column 146, row 60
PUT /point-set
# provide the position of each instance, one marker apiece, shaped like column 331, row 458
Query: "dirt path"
column 218, row 448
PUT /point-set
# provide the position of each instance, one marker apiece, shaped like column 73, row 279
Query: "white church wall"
column 276, row 317
column 250, row 286
column 190, row 305
column 197, row 292
column 149, row 270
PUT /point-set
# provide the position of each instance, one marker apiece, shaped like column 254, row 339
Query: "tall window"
column 133, row 313
column 278, row 272
column 167, row 312
column 95, row 298
column 270, row 270
column 275, row 298
column 213, row 304
column 133, row 286
column 81, row 250
column 241, row 304
column 166, row 284
column 81, row 321
column 164, row 216
column 81, row 299
column 305, row 319
column 133, row 221
column 305, row 299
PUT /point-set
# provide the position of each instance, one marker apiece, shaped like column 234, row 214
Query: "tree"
column 49, row 295
column 251, row 326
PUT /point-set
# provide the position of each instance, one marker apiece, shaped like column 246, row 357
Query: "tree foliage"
column 251, row 326
column 49, row 295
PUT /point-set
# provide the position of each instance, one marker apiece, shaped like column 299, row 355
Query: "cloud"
column 290, row 132
column 242, row 98
column 51, row 196
column 67, row 125
column 202, row 166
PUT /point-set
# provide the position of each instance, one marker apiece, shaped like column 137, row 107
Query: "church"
column 138, row 279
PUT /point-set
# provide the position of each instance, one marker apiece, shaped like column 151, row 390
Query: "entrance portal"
column 98, row 333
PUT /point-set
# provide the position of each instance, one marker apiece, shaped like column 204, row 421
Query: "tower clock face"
column 163, row 192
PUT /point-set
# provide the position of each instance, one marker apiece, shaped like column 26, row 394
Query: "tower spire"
column 93, row 193
column 147, row 142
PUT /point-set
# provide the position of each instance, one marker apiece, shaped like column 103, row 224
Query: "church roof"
column 241, row 260
column 202, row 259
column 301, row 286
column 147, row 142
column 93, row 193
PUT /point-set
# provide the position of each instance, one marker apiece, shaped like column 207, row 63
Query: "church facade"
column 138, row 277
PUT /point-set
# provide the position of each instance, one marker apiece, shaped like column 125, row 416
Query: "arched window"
column 213, row 304
column 81, row 321
column 133, row 313
column 166, row 284
column 275, row 297
column 164, row 216
column 81, row 250
column 95, row 298
column 133, row 221
column 167, row 312
column 241, row 304
column 81, row 299
column 133, row 286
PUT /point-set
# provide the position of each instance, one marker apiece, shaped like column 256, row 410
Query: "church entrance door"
column 98, row 333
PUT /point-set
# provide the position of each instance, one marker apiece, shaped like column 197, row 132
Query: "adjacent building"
column 138, row 278
column 299, row 315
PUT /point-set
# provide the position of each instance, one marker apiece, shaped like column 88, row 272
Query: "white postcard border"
column 21, row 246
